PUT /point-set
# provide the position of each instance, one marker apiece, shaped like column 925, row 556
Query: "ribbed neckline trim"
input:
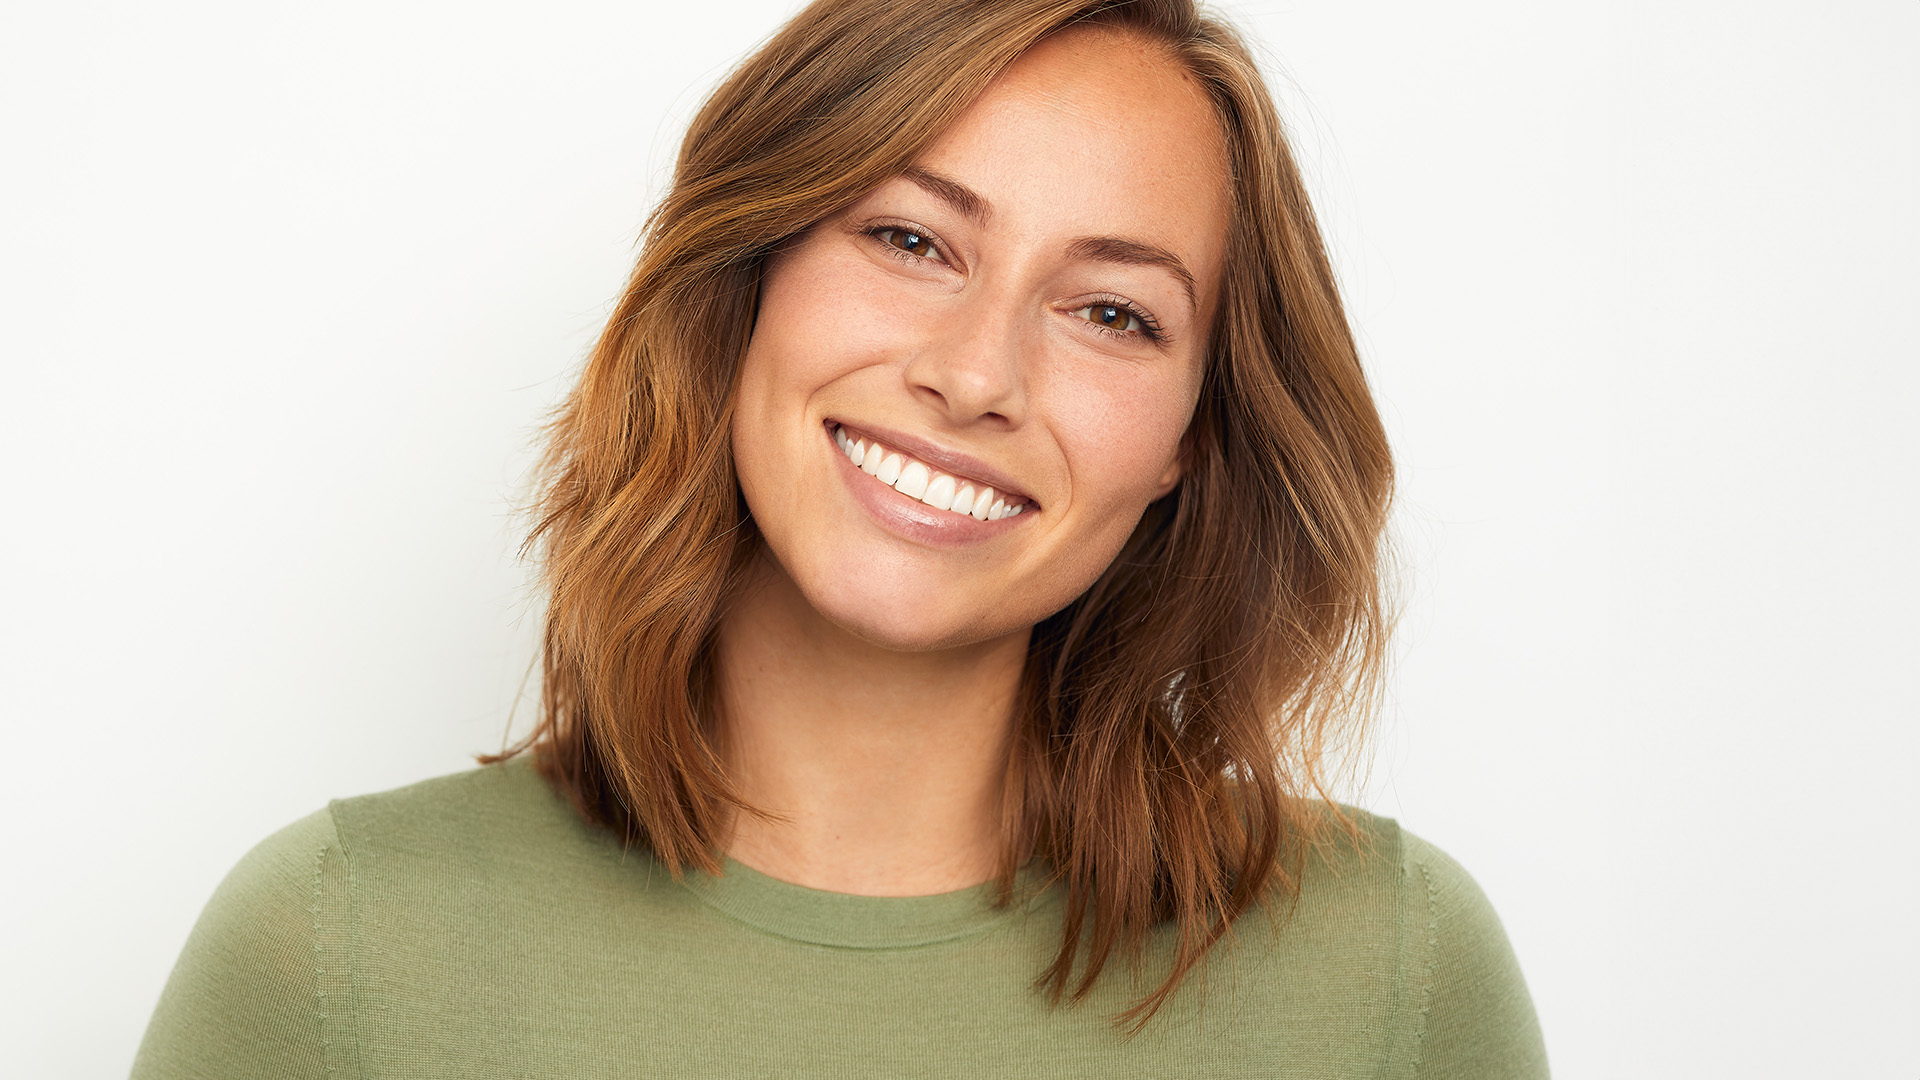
column 848, row 921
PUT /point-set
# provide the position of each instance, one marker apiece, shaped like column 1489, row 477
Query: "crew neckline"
column 850, row 921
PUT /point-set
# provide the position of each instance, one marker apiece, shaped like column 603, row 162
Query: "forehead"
column 1097, row 131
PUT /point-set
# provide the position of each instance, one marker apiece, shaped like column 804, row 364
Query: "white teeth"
column 913, row 480
column 939, row 493
column 982, row 502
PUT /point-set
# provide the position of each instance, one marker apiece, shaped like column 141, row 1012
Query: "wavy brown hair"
column 1167, row 763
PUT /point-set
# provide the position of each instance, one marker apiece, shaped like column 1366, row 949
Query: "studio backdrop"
column 286, row 291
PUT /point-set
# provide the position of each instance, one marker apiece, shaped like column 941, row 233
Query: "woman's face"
column 1026, row 310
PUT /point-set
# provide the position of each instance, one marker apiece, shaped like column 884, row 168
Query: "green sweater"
column 474, row 926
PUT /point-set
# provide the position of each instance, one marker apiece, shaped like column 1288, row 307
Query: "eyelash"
column 1150, row 326
column 876, row 231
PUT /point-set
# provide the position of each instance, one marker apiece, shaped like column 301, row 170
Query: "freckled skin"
column 985, row 348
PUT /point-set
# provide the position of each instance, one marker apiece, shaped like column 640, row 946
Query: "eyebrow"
column 1118, row 249
column 1112, row 249
column 952, row 192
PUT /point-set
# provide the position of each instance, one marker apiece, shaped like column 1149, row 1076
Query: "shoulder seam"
column 339, row 1042
column 319, row 954
column 1433, row 954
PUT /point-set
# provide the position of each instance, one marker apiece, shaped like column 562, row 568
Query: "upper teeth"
column 915, row 480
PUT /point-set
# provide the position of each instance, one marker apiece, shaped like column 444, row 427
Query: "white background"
column 287, row 288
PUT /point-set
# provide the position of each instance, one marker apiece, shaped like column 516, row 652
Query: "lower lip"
column 913, row 519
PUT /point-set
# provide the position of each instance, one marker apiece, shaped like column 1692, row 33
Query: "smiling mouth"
column 916, row 480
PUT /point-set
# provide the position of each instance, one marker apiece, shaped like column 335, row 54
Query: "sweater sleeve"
column 246, row 998
column 1480, row 1023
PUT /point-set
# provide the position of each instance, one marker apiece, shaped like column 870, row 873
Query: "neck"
column 883, row 771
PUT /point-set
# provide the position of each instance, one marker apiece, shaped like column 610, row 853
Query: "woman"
column 961, row 544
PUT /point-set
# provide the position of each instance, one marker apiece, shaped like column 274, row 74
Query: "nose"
column 971, row 367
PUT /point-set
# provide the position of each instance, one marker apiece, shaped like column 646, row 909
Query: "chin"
column 902, row 620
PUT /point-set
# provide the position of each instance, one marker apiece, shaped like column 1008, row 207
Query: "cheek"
column 1118, row 435
column 788, row 349
column 822, row 315
column 1121, row 434
column 825, row 332
column 814, row 325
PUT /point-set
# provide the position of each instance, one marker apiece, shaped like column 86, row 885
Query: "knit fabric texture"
column 474, row 926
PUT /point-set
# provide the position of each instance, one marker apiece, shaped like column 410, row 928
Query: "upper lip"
column 963, row 466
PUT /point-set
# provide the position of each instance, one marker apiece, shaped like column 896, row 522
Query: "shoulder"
column 272, row 976
column 246, row 995
column 484, row 809
column 1384, row 896
column 280, row 871
column 262, row 909
column 1429, row 888
column 454, row 849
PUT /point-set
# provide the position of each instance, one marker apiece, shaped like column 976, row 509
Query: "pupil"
column 1109, row 314
column 913, row 242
